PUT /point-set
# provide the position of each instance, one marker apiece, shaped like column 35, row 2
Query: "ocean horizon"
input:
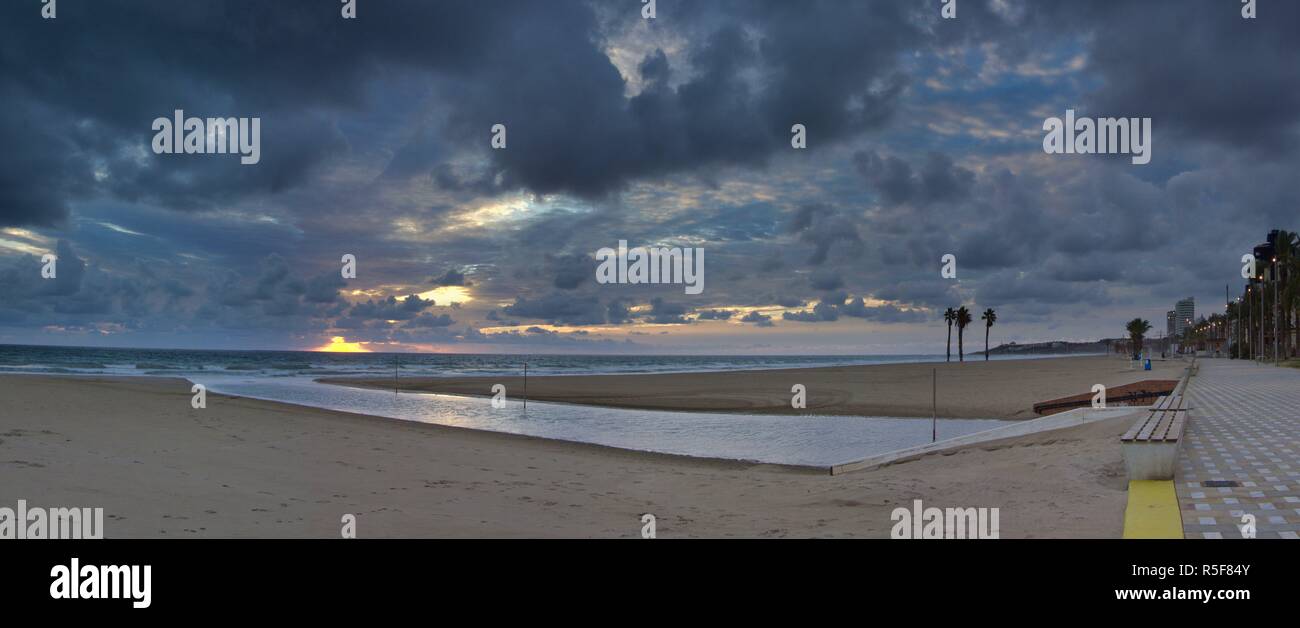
column 69, row 360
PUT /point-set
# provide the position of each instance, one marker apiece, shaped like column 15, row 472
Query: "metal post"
column 525, row 387
column 1276, row 329
column 934, row 405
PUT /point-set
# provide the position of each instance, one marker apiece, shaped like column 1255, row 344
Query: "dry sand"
column 998, row 389
column 248, row 468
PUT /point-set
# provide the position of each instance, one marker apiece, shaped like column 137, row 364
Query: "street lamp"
column 1260, row 354
column 1250, row 322
column 1276, row 331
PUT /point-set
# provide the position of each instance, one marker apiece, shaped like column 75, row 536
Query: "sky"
column 924, row 138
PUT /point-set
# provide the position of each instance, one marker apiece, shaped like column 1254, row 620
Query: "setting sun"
column 339, row 344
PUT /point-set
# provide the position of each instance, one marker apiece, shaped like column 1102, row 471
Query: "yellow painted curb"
column 1152, row 511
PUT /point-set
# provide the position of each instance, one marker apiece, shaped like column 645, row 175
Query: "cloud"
column 924, row 140
column 822, row 226
column 758, row 318
column 391, row 308
column 452, row 277
column 821, row 313
column 897, row 183
column 666, row 313
column 716, row 315
column 559, row 308
column 826, row 280
column 427, row 320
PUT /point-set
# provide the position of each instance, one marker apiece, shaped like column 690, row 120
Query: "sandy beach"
column 998, row 389
column 248, row 468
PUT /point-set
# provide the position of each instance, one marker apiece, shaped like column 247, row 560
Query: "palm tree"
column 1137, row 328
column 989, row 318
column 951, row 317
column 963, row 319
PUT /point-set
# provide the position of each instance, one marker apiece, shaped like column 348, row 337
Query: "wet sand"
column 998, row 389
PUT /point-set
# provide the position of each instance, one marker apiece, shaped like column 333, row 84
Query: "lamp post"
column 1276, row 329
column 1260, row 354
column 1249, row 332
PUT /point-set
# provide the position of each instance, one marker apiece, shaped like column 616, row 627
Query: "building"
column 1170, row 318
column 1184, row 315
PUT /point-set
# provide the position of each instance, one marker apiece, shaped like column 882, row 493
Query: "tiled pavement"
column 1244, row 426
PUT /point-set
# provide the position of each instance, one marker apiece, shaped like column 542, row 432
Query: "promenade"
column 1241, row 452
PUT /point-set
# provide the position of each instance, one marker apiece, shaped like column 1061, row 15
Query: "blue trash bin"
column 1147, row 365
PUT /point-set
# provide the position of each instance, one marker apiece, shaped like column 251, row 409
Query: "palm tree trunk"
column 986, row 343
column 949, row 342
column 961, row 353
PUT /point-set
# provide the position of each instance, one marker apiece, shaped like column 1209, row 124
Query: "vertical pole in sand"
column 934, row 405
column 525, row 387
column 395, row 357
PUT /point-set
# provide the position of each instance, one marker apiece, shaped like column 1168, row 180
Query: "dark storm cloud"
column 716, row 315
column 324, row 288
column 35, row 178
column 364, row 121
column 391, row 308
column 821, row 313
column 427, row 320
column 559, row 309
column 452, row 277
column 1010, row 287
column 823, row 279
column 924, row 291
column 771, row 263
column 897, row 183
column 157, row 297
column 857, row 308
column 299, row 67
column 570, row 271
column 1234, row 82
column 758, row 318
column 617, row 312
column 822, row 226
column 667, row 313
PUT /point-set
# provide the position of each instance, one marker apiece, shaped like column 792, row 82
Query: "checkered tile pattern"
column 1244, row 426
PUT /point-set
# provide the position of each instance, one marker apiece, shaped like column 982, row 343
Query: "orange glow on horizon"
column 339, row 344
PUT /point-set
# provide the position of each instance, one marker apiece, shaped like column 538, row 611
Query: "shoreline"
column 997, row 389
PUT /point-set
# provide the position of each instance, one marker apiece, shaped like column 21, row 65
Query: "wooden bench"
column 1150, row 447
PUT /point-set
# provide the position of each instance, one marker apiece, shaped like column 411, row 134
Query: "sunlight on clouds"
column 562, row 329
column 24, row 241
column 512, row 208
column 118, row 228
column 447, row 295
column 339, row 344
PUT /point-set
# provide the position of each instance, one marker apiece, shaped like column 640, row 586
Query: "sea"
column 290, row 376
